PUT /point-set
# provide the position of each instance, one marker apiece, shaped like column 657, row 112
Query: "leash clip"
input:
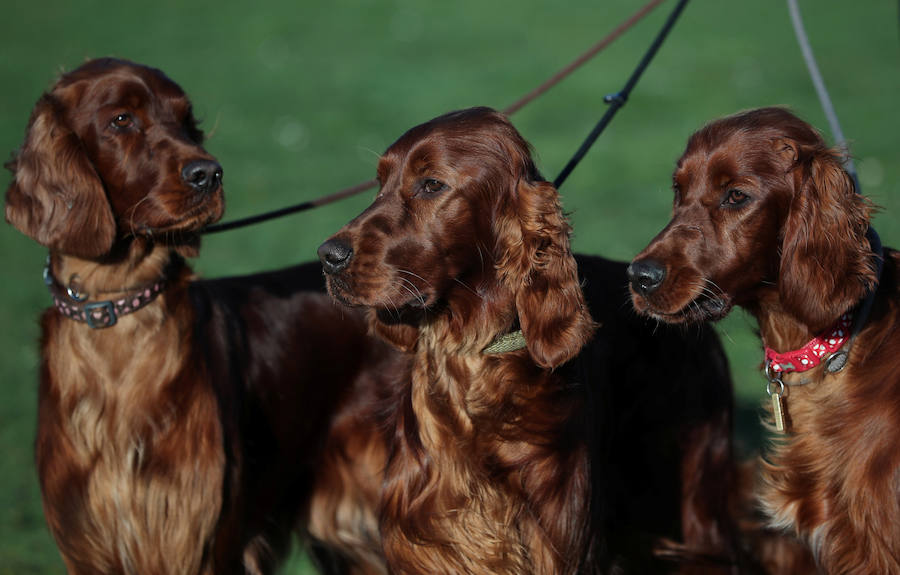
column 619, row 98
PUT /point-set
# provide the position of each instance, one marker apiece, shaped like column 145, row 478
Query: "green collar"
column 512, row 341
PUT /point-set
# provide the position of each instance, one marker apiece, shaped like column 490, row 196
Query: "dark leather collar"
column 99, row 314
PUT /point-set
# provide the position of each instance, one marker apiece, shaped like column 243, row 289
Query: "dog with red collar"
column 766, row 217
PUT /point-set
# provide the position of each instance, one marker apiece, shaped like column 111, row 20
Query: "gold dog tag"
column 775, row 388
column 778, row 408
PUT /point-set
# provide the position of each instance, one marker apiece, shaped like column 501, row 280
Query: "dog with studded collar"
column 182, row 424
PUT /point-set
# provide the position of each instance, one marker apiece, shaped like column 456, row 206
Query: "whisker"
column 212, row 131
column 480, row 255
column 715, row 285
column 393, row 306
column 414, row 275
column 468, row 287
column 414, row 291
column 132, row 211
column 727, row 335
column 375, row 154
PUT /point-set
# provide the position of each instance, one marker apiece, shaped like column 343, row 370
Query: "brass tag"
column 778, row 409
column 776, row 388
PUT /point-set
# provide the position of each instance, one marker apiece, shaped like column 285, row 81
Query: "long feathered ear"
column 56, row 197
column 400, row 335
column 539, row 267
column 826, row 260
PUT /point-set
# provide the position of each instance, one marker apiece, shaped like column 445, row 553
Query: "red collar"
column 811, row 354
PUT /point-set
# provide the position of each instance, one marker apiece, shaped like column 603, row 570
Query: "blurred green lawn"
column 299, row 99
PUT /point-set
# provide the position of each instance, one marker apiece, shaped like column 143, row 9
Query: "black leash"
column 301, row 207
column 540, row 90
column 618, row 99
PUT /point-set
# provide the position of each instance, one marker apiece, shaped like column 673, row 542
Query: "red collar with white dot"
column 811, row 354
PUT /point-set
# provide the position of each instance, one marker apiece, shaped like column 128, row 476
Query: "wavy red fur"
column 766, row 217
column 577, row 453
column 187, row 438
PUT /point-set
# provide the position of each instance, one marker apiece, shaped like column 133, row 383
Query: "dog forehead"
column 455, row 133
column 735, row 153
column 463, row 146
column 122, row 83
column 421, row 155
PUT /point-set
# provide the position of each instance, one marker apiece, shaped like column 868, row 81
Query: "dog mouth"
column 706, row 306
column 208, row 210
column 406, row 315
column 193, row 220
column 398, row 302
column 699, row 310
column 187, row 222
column 339, row 290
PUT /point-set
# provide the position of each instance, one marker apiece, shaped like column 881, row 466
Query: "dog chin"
column 407, row 315
column 190, row 223
column 340, row 293
column 207, row 216
column 698, row 310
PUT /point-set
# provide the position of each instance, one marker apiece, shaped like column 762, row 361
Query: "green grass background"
column 299, row 99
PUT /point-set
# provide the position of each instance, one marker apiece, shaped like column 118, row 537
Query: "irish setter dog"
column 181, row 422
column 546, row 428
column 765, row 217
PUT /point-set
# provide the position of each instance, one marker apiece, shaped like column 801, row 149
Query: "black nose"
column 335, row 255
column 202, row 175
column 646, row 275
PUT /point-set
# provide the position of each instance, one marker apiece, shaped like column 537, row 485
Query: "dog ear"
column 540, row 269
column 400, row 335
column 56, row 197
column 826, row 261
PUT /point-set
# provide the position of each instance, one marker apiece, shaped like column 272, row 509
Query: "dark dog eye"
column 735, row 197
column 433, row 186
column 122, row 121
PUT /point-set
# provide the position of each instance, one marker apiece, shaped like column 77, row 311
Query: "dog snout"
column 646, row 275
column 335, row 255
column 203, row 175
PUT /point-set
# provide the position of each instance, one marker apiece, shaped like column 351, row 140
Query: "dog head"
column 464, row 232
column 762, row 206
column 113, row 152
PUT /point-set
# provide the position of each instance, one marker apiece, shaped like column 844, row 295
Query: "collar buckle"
column 100, row 314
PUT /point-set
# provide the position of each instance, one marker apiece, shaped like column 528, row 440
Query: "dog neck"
column 782, row 331
column 451, row 365
column 97, row 293
column 487, row 420
column 792, row 346
column 470, row 320
column 778, row 328
column 144, row 264
column 137, row 355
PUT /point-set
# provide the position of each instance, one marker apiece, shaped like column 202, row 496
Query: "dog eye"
column 122, row 121
column 433, row 186
column 735, row 197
